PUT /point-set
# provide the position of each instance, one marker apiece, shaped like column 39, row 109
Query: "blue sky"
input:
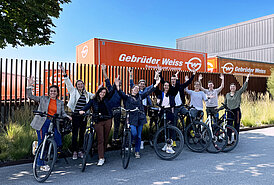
column 150, row 22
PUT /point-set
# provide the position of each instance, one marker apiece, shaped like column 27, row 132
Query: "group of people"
column 109, row 98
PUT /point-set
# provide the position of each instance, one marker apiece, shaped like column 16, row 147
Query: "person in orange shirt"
column 51, row 105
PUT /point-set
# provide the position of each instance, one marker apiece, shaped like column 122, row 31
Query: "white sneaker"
column 142, row 145
column 164, row 148
column 101, row 162
column 45, row 168
column 169, row 150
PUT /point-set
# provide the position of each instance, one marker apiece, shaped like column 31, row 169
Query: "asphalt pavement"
column 252, row 162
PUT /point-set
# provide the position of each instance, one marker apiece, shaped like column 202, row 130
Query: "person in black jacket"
column 137, row 118
column 179, row 95
column 102, row 117
column 115, row 104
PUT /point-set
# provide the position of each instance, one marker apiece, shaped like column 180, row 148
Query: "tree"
column 270, row 82
column 28, row 22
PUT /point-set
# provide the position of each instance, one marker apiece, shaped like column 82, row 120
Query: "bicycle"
column 88, row 140
column 219, row 136
column 46, row 153
column 233, row 135
column 153, row 113
column 126, row 139
column 168, row 141
column 197, row 135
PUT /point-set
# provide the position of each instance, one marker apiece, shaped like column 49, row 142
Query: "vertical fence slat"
column 11, row 75
column 16, row 84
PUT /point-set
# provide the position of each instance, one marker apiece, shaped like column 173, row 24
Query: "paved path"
column 252, row 162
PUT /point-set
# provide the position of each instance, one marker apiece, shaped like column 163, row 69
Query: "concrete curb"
column 254, row 128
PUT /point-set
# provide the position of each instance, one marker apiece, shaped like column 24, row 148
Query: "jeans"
column 41, row 135
column 136, row 134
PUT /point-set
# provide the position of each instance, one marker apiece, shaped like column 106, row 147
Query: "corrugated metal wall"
column 251, row 40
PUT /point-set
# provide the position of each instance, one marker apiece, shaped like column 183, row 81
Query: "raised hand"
column 30, row 81
column 157, row 75
column 63, row 69
column 200, row 77
column 157, row 82
column 222, row 76
column 186, row 78
column 176, row 74
column 117, row 81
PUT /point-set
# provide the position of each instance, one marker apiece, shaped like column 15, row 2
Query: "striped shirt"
column 80, row 103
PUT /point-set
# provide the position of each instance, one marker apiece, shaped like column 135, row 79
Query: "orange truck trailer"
column 114, row 53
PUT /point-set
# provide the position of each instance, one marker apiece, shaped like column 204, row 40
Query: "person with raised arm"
column 79, row 97
column 51, row 105
column 137, row 118
column 196, row 99
column 102, row 115
column 233, row 102
column 115, row 104
column 212, row 96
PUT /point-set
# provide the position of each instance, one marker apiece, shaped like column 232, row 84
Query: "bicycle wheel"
column 44, row 160
column 126, row 148
column 197, row 136
column 233, row 138
column 86, row 147
column 168, row 142
column 219, row 140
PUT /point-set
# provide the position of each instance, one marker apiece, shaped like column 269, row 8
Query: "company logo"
column 194, row 64
column 228, row 68
column 84, row 51
column 210, row 67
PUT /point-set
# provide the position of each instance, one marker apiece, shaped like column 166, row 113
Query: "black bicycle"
column 197, row 135
column 233, row 135
column 126, row 139
column 168, row 141
column 88, row 140
column 46, row 153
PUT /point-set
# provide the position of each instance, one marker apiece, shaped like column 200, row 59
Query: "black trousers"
column 78, row 129
column 237, row 119
column 117, row 119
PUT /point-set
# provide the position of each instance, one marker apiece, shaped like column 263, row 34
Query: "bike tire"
column 88, row 139
column 219, row 140
column 235, row 141
column 49, row 158
column 126, row 148
column 197, row 136
column 162, row 139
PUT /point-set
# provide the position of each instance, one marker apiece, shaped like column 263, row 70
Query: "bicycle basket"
column 65, row 126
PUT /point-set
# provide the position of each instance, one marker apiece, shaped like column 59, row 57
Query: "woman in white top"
column 79, row 97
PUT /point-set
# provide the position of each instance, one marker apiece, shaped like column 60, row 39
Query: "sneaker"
column 45, row 168
column 74, row 156
column 137, row 155
column 142, row 145
column 101, row 162
column 164, row 148
column 169, row 150
column 80, row 154
column 174, row 144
